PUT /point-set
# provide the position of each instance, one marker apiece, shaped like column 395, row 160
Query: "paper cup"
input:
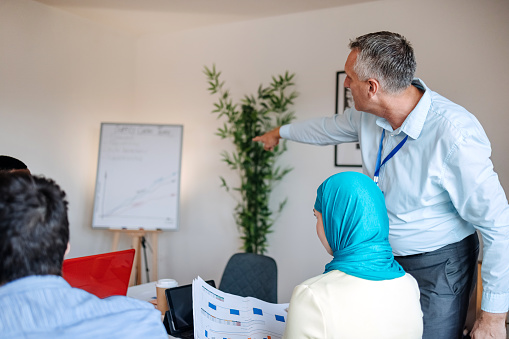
column 161, row 286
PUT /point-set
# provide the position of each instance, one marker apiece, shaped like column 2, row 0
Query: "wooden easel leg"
column 136, row 235
column 478, row 289
column 135, row 243
column 116, row 237
column 154, row 256
column 138, row 261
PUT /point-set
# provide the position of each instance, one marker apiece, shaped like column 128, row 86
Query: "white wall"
column 60, row 76
column 462, row 52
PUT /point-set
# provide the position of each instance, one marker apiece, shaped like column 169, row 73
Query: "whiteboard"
column 138, row 177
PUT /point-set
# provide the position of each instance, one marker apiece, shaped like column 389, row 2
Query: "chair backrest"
column 251, row 275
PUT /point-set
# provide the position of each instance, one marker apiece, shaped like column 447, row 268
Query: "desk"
column 145, row 292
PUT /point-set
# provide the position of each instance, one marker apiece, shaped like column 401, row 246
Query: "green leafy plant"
column 257, row 168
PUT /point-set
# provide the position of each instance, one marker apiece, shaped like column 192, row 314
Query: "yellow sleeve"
column 305, row 317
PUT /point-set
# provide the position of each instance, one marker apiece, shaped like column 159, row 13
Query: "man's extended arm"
column 332, row 130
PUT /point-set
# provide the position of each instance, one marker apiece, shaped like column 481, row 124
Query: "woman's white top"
column 338, row 305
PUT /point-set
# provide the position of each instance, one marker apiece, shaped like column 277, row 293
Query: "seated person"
column 35, row 301
column 364, row 292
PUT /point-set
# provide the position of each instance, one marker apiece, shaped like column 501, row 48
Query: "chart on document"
column 138, row 176
column 219, row 315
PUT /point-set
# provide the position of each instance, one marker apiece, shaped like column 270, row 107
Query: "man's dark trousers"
column 446, row 279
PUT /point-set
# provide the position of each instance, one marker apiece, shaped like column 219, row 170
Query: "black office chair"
column 251, row 275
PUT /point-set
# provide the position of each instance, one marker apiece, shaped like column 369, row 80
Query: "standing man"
column 431, row 159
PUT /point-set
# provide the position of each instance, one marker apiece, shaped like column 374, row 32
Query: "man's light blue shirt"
column 439, row 187
column 48, row 307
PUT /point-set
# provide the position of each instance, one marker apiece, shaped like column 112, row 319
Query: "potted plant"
column 256, row 167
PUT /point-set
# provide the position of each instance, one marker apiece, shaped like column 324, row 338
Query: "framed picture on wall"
column 349, row 154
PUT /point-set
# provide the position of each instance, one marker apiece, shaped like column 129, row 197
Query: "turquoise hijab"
column 357, row 227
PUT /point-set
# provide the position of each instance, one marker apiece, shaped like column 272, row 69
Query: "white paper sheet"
column 219, row 315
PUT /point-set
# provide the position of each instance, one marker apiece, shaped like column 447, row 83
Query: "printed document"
column 218, row 315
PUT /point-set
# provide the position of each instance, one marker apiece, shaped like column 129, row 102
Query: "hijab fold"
column 356, row 226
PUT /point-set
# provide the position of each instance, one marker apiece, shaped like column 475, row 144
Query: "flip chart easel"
column 136, row 236
column 137, row 185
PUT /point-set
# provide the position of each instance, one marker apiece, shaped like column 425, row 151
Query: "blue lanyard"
column 387, row 158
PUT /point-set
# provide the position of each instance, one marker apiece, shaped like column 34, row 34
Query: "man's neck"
column 396, row 108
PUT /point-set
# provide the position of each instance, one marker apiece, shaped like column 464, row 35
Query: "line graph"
column 139, row 199
column 138, row 176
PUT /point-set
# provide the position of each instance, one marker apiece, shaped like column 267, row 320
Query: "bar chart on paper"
column 219, row 315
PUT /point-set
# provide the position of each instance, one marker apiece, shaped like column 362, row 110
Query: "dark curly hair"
column 34, row 229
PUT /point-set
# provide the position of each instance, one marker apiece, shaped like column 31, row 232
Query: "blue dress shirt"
column 439, row 187
column 48, row 307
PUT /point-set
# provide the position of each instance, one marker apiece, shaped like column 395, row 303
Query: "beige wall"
column 60, row 76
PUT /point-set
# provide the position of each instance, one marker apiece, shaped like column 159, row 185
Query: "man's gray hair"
column 387, row 57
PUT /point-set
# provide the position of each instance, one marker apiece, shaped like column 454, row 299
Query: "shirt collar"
column 414, row 122
column 28, row 283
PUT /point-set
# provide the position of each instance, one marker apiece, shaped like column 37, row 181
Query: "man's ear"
column 67, row 249
column 374, row 87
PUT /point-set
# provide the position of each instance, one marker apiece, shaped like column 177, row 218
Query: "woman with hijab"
column 363, row 293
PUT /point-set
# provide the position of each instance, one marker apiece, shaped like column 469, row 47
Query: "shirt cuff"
column 495, row 302
column 284, row 131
